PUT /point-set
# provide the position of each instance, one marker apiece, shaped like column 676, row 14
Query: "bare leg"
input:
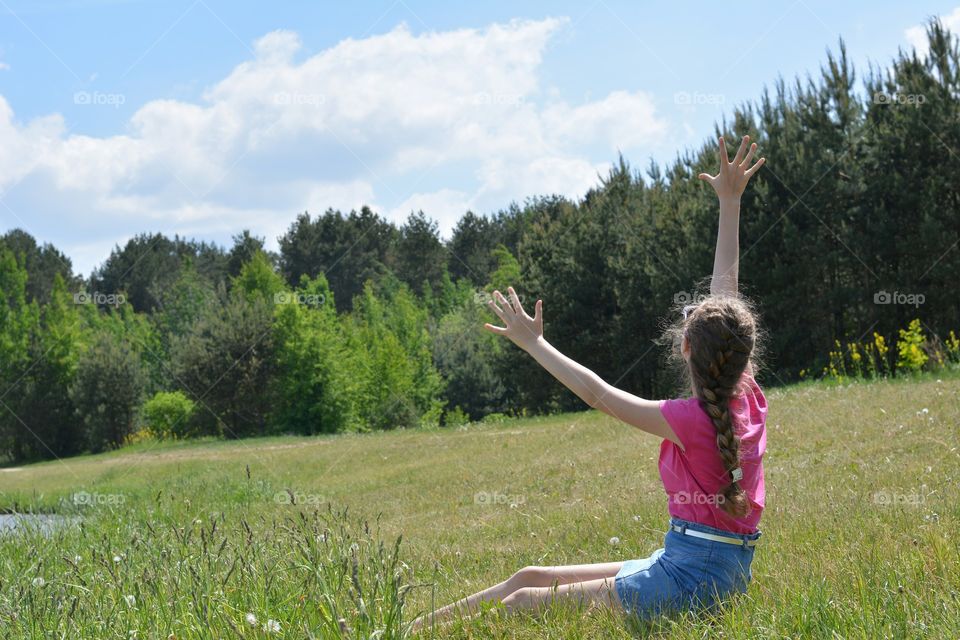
column 528, row 577
column 600, row 591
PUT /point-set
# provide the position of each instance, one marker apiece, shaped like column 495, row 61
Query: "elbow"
column 593, row 397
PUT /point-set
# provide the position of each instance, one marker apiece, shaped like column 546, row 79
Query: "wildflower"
column 636, row 518
column 131, row 600
column 272, row 626
column 39, row 582
column 614, row 541
column 77, row 559
column 116, row 559
column 251, row 619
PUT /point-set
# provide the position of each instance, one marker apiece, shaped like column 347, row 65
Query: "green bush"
column 910, row 353
column 167, row 414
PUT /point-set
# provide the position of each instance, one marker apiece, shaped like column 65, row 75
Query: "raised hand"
column 733, row 176
column 520, row 328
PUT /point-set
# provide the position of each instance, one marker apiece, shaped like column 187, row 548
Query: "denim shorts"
column 687, row 573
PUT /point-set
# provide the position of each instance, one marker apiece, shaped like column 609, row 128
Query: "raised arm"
column 527, row 333
column 729, row 184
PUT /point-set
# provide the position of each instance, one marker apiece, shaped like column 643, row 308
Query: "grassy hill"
column 185, row 539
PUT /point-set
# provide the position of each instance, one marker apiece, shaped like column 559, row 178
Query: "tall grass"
column 186, row 540
column 155, row 571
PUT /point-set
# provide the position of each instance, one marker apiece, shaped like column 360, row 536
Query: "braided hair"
column 721, row 334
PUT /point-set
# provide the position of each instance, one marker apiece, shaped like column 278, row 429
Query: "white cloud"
column 445, row 206
column 440, row 121
column 917, row 35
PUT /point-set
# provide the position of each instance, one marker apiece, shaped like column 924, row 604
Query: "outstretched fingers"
column 496, row 309
column 749, row 156
column 497, row 330
column 507, row 305
column 752, row 170
column 737, row 159
column 500, row 314
column 516, row 301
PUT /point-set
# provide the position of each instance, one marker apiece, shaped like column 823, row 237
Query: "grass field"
column 185, row 540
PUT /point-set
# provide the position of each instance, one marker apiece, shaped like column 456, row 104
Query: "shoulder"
column 751, row 392
column 680, row 407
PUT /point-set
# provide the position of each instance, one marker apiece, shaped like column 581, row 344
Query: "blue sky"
column 203, row 117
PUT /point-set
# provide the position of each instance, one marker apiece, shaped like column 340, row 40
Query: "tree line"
column 356, row 323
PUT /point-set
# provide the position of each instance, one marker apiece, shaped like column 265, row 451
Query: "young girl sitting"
column 710, row 457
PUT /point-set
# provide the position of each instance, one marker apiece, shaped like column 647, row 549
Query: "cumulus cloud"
column 917, row 35
column 439, row 121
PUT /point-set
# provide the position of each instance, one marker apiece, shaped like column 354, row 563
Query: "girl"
column 710, row 457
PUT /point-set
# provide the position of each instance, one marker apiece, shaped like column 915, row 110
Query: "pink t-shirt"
column 692, row 478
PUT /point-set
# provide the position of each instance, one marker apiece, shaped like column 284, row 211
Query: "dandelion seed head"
column 251, row 619
column 272, row 626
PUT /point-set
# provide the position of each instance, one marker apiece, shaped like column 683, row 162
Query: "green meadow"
column 354, row 535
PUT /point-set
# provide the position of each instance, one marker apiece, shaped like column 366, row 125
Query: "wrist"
column 536, row 344
column 730, row 199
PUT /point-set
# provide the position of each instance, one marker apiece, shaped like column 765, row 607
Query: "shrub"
column 455, row 417
column 910, row 352
column 167, row 414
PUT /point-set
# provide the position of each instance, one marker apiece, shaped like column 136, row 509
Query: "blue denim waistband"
column 696, row 526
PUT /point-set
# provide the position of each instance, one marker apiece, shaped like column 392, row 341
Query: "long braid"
column 721, row 337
